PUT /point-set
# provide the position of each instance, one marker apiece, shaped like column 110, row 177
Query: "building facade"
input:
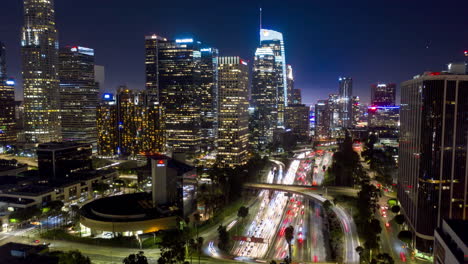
column 130, row 125
column 451, row 242
column 174, row 80
column 290, row 79
column 322, row 120
column 265, row 95
column 39, row 48
column 209, row 98
column 345, row 100
column 78, row 94
column 433, row 153
column 233, row 131
column 275, row 41
column 383, row 94
column 297, row 118
column 7, row 102
column 59, row 160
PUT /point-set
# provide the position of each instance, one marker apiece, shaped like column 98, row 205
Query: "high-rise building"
column 129, row 125
column 3, row 70
column 345, row 98
column 209, row 97
column 433, row 154
column 233, row 136
column 152, row 66
column 78, row 94
column 174, row 79
column 356, row 113
column 7, row 102
column 265, row 95
column 7, row 112
column 297, row 118
column 383, row 94
column 296, row 96
column 335, row 114
column 40, row 72
column 274, row 40
column 290, row 76
column 322, row 120
column 107, row 126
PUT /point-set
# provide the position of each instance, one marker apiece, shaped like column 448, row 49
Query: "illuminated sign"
column 160, row 163
column 206, row 50
column 10, row 82
column 243, row 62
column 107, row 96
column 82, row 50
column 184, row 40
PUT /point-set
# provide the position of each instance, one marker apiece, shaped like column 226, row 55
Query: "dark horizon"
column 368, row 41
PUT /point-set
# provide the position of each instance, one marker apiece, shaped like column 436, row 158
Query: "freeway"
column 320, row 194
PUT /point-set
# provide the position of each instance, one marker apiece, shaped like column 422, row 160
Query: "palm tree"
column 289, row 235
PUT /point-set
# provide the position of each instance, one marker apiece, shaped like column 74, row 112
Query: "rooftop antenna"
column 260, row 31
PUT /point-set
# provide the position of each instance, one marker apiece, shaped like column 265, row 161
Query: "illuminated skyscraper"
column 180, row 93
column 7, row 102
column 129, row 125
column 433, row 154
column 383, row 94
column 265, row 95
column 78, row 94
column 107, row 126
column 274, row 40
column 152, row 66
column 209, row 97
column 322, row 120
column 7, row 111
column 40, row 72
column 345, row 98
column 233, row 111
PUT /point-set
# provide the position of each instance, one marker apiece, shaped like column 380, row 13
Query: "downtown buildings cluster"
column 203, row 104
column 195, row 101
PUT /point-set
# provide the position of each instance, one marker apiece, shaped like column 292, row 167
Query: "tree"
column 289, row 235
column 173, row 246
column 396, row 209
column 385, row 258
column 272, row 262
column 399, row 219
column 71, row 257
column 405, row 236
column 243, row 212
column 138, row 258
column 327, row 205
column 224, row 238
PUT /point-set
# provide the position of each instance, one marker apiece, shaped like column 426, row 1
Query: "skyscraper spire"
column 260, row 18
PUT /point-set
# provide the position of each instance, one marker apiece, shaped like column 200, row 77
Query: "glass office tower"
column 345, row 101
column 78, row 94
column 274, row 40
column 40, row 72
column 433, row 154
column 265, row 95
column 209, row 97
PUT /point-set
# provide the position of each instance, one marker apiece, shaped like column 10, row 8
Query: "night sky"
column 371, row 41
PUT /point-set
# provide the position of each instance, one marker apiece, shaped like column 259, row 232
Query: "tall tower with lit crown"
column 40, row 72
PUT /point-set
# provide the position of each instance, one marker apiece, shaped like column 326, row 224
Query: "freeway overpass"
column 316, row 192
column 321, row 194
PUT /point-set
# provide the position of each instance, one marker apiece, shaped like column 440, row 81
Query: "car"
column 37, row 241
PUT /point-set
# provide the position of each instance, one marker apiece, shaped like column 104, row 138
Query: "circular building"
column 128, row 214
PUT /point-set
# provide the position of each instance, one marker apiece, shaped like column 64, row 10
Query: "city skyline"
column 318, row 58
